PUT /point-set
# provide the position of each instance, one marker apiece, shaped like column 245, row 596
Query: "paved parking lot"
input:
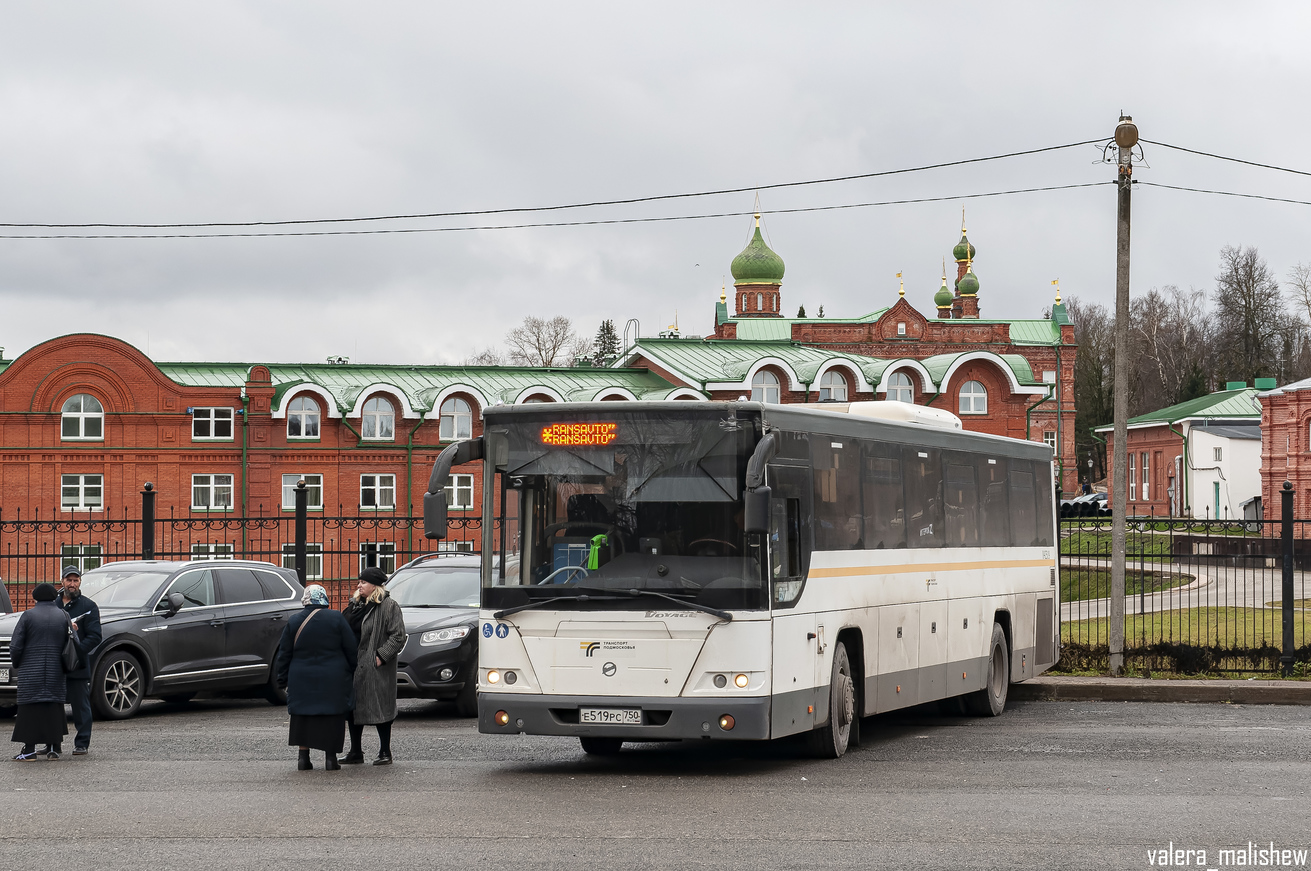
column 1047, row 785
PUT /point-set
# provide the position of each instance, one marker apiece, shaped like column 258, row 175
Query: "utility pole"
column 1126, row 137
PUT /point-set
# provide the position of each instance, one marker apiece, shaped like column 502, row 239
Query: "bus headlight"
column 493, row 676
column 741, row 681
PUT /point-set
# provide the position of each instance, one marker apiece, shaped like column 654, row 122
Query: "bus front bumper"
column 662, row 719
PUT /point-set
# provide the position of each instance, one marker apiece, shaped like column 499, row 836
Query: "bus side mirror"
column 756, row 509
column 434, row 500
column 434, row 515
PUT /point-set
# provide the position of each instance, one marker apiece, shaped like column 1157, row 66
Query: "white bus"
column 744, row 571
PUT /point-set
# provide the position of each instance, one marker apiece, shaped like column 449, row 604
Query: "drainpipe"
column 934, row 397
column 1028, row 422
column 359, row 439
column 1060, row 422
column 1184, row 504
column 409, row 483
column 245, row 489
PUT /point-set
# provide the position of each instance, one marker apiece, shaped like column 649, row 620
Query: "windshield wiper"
column 583, row 597
column 705, row 609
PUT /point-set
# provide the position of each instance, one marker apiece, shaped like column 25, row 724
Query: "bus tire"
column 597, row 746
column 831, row 740
column 991, row 700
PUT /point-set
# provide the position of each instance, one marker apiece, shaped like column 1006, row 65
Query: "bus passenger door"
column 795, row 640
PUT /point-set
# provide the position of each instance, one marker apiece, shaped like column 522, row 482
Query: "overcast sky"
column 170, row 112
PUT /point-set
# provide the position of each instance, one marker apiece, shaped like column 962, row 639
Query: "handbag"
column 69, row 657
column 305, row 623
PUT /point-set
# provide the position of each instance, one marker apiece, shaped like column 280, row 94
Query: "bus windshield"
column 626, row 507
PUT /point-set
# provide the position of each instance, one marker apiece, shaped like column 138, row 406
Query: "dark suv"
column 438, row 594
column 173, row 629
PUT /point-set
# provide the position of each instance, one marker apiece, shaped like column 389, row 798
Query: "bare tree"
column 1093, row 377
column 541, row 342
column 486, row 357
column 1299, row 288
column 1249, row 315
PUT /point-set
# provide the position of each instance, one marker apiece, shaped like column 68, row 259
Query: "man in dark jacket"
column 85, row 614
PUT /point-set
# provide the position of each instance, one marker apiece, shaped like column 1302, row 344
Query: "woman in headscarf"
column 316, row 663
column 380, row 627
column 35, row 650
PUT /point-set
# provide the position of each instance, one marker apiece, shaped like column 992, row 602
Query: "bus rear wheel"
column 831, row 740
column 600, row 746
column 991, row 700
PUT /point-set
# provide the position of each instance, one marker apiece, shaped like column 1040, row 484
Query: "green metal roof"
column 1222, row 404
column 1025, row 332
column 421, row 385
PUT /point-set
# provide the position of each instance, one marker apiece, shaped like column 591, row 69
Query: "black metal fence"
column 327, row 550
column 1200, row 595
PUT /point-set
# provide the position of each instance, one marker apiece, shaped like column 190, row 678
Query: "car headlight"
column 442, row 636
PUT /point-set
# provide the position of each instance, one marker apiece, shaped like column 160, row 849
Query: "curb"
column 1127, row 689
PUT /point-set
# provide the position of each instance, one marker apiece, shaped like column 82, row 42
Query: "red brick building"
column 1286, row 447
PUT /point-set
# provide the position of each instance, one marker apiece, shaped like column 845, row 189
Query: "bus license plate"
column 611, row 716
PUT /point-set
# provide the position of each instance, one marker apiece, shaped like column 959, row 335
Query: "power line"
column 562, row 207
column 1224, row 193
column 1230, row 159
column 405, row 230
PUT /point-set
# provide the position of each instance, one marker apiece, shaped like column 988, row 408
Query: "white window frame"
column 973, row 398
column 211, row 418
column 81, row 418
column 380, row 489
column 210, row 485
column 82, row 484
column 1133, row 479
column 383, row 553
column 313, row 560
column 1219, row 454
column 764, row 385
column 832, row 387
column 455, row 420
column 85, row 556
column 378, row 422
column 313, row 484
column 900, row 388
column 213, row 551
column 457, row 486
column 1146, row 478
column 304, row 410
column 1049, row 438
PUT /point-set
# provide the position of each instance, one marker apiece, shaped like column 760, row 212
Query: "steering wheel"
column 547, row 579
column 727, row 547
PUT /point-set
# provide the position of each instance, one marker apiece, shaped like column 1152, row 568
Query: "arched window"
column 303, row 418
column 83, row 417
column 379, row 419
column 899, row 388
column 832, row 387
column 973, row 398
column 764, row 387
column 456, row 420
column 760, row 302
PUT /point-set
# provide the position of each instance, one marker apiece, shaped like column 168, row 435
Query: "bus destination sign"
column 579, row 434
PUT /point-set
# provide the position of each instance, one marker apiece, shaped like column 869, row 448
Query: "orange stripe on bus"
column 928, row 567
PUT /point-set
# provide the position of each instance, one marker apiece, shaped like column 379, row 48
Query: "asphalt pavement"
column 1049, row 784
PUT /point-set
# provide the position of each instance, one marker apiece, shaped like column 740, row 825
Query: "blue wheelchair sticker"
column 487, row 630
column 502, row 630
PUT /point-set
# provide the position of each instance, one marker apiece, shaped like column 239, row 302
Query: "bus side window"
column 785, row 549
column 923, row 471
column 996, row 514
column 885, row 516
column 1024, row 526
column 962, row 502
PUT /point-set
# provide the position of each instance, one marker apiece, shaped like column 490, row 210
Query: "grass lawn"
column 1080, row 584
column 1154, row 548
column 1225, row 627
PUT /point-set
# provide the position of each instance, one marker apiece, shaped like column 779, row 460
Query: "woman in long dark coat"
column 316, row 663
column 380, row 627
column 35, row 650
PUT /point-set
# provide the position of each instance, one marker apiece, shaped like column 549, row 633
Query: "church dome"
column 968, row 284
column 944, row 296
column 963, row 250
column 757, row 264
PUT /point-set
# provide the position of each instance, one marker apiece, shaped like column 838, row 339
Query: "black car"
column 173, row 629
column 438, row 594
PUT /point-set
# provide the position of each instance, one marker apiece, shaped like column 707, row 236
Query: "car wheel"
column 117, row 687
column 466, row 703
column 276, row 695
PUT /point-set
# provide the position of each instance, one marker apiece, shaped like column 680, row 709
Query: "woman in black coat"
column 35, row 650
column 316, row 663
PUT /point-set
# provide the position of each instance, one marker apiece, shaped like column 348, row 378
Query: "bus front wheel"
column 830, row 740
column 991, row 700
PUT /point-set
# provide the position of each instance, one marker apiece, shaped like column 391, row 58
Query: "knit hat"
column 44, row 592
column 71, row 570
column 375, row 576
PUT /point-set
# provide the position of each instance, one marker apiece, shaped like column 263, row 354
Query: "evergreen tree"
column 821, row 311
column 606, row 345
column 801, row 311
